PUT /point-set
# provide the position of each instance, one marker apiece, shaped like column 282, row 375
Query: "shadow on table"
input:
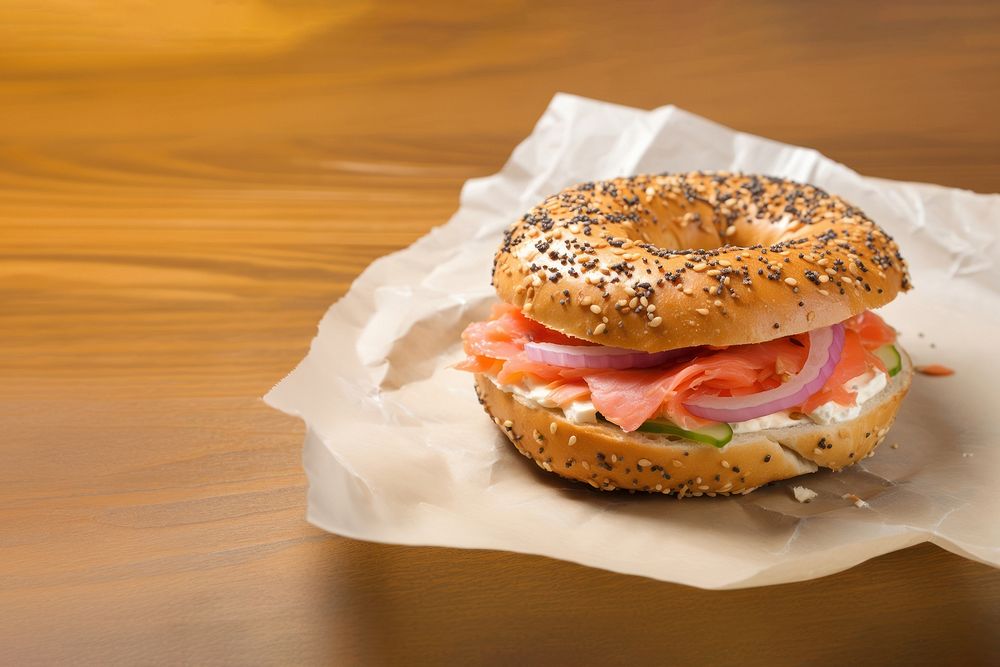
column 407, row 605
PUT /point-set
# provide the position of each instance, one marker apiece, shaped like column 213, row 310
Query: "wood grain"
column 183, row 191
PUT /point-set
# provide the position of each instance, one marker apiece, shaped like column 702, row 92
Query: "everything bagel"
column 691, row 334
column 655, row 262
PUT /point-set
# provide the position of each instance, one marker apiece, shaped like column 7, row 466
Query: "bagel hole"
column 697, row 226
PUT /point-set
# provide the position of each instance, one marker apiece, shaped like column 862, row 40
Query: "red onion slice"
column 825, row 348
column 598, row 356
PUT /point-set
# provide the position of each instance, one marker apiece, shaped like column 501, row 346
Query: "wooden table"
column 186, row 186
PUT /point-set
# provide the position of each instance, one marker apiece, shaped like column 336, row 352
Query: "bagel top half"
column 657, row 262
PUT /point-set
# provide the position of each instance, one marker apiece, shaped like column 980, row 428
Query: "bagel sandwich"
column 691, row 334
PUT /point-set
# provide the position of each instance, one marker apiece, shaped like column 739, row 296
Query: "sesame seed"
column 678, row 464
column 600, row 328
column 586, row 301
column 725, row 262
column 717, row 303
column 645, row 463
column 688, row 291
column 508, row 424
column 713, row 272
column 553, row 427
column 824, row 278
column 651, row 308
column 634, row 302
column 700, row 266
column 595, row 309
column 725, row 463
column 655, row 322
column 730, row 230
column 702, row 311
column 791, row 281
column 572, row 440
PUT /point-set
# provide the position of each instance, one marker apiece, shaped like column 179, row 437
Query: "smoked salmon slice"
column 630, row 397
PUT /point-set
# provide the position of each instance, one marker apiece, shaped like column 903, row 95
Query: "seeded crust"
column 657, row 262
column 607, row 458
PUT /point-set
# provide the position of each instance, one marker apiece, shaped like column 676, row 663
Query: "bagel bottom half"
column 608, row 458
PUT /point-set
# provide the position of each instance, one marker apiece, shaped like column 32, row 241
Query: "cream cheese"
column 780, row 419
column 538, row 395
column 866, row 386
column 581, row 412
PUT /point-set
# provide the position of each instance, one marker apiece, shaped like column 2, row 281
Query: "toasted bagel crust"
column 607, row 458
column 657, row 262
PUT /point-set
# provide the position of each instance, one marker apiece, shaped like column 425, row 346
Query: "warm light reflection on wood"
column 60, row 35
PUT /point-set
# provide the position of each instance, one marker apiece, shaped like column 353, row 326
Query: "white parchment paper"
column 398, row 450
